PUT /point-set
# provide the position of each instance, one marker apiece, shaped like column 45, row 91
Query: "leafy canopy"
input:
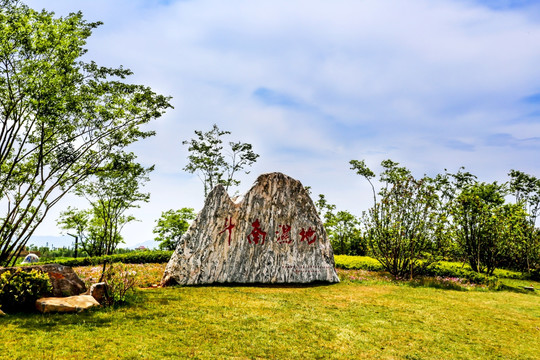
column 111, row 191
column 208, row 159
column 171, row 226
column 60, row 117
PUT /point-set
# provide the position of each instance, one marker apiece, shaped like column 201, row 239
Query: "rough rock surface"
column 98, row 291
column 271, row 235
column 64, row 280
column 76, row 303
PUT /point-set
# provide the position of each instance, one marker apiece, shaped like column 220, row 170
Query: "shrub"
column 454, row 270
column 535, row 275
column 357, row 263
column 19, row 289
column 120, row 280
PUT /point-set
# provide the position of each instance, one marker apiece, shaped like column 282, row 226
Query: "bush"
column 535, row 275
column 454, row 270
column 19, row 289
column 357, row 263
column 120, row 280
column 135, row 257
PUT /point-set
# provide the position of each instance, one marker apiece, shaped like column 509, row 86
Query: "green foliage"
column 61, row 117
column 19, row 289
column 487, row 229
column 135, row 257
column 400, row 226
column 343, row 229
column 171, row 226
column 460, row 218
column 207, row 159
column 344, row 233
column 357, row 263
column 111, row 190
column 453, row 270
column 441, row 269
column 526, row 189
column 120, row 281
column 362, row 170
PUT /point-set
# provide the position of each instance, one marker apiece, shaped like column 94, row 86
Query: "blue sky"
column 313, row 84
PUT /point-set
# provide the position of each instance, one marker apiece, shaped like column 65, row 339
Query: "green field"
column 370, row 318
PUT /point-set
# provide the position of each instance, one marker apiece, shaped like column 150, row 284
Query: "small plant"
column 120, row 280
column 20, row 289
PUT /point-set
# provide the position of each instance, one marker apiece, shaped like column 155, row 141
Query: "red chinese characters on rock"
column 228, row 228
column 256, row 235
column 283, row 234
column 308, row 235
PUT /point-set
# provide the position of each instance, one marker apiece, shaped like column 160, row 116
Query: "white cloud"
column 417, row 81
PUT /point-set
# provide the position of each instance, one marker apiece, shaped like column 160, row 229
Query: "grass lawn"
column 370, row 318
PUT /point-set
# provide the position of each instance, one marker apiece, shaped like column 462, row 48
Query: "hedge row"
column 357, row 263
column 442, row 269
column 135, row 257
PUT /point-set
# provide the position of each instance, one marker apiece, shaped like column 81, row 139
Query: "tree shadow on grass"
column 55, row 322
column 96, row 317
column 517, row 289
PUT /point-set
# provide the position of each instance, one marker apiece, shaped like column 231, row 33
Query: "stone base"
column 66, row 304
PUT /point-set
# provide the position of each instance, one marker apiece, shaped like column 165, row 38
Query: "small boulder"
column 99, row 292
column 66, row 304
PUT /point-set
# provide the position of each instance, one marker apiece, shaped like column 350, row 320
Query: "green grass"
column 372, row 317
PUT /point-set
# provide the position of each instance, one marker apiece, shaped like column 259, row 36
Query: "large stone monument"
column 271, row 235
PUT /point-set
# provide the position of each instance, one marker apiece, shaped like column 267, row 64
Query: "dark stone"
column 271, row 235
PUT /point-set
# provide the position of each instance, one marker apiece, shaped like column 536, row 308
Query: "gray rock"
column 64, row 280
column 271, row 235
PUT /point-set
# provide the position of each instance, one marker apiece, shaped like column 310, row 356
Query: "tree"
column 111, row 191
column 526, row 189
column 208, row 160
column 344, row 233
column 60, row 117
column 400, row 226
column 77, row 221
column 324, row 208
column 171, row 226
column 342, row 228
column 486, row 227
column 448, row 186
